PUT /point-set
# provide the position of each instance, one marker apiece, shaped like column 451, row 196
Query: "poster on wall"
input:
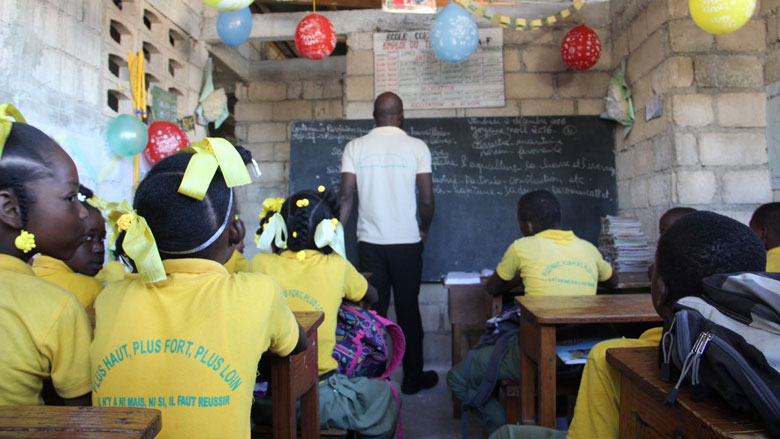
column 405, row 64
column 410, row 6
column 164, row 105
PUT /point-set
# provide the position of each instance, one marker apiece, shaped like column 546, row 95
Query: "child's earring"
column 25, row 241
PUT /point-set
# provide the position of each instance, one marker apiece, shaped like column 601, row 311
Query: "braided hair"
column 302, row 221
column 180, row 223
column 25, row 160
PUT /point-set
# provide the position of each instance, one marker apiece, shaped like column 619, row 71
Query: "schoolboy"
column 548, row 261
column 698, row 245
column 766, row 223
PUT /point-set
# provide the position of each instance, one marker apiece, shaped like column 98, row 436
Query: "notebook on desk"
column 576, row 352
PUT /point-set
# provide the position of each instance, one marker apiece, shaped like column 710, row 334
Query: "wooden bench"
column 643, row 413
column 79, row 422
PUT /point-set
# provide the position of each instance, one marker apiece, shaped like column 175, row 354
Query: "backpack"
column 362, row 343
column 727, row 342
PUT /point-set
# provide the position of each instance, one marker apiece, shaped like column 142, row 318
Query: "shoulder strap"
column 399, row 344
column 485, row 389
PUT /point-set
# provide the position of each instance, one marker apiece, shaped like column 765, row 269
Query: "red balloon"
column 165, row 138
column 315, row 37
column 581, row 48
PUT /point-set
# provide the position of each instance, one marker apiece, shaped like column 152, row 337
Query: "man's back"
column 386, row 162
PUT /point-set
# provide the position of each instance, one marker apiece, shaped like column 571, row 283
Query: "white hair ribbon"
column 330, row 232
column 275, row 232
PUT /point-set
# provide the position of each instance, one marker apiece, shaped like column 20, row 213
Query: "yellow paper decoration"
column 550, row 20
column 519, row 22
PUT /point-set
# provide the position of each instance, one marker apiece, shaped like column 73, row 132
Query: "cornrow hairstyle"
column 701, row 244
column 540, row 208
column 768, row 216
column 181, row 225
column 87, row 193
column 302, row 221
column 25, row 159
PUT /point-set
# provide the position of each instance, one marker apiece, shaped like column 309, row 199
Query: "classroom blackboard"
column 481, row 167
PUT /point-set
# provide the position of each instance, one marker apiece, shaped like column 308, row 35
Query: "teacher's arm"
column 347, row 195
column 425, row 202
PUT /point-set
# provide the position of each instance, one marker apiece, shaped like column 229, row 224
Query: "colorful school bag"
column 727, row 342
column 362, row 348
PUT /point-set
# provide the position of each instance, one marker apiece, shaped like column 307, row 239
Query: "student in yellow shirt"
column 547, row 261
column 766, row 223
column 237, row 262
column 315, row 276
column 185, row 336
column 698, row 245
column 45, row 331
column 77, row 274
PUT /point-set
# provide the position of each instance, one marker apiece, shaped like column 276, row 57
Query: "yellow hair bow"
column 210, row 153
column 6, row 124
column 271, row 204
column 139, row 243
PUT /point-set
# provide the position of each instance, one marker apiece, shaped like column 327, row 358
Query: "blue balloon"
column 454, row 34
column 126, row 135
column 234, row 27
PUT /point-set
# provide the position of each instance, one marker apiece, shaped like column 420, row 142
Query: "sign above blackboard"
column 481, row 167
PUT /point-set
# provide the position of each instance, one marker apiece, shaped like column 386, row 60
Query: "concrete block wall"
column 56, row 58
column 263, row 112
column 708, row 149
column 770, row 11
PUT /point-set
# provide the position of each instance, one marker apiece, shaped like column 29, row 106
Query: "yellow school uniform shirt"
column 555, row 262
column 45, row 334
column 86, row 288
column 111, row 272
column 189, row 346
column 237, row 263
column 318, row 283
column 773, row 260
column 597, row 411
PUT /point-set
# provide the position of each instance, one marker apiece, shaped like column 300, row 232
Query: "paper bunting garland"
column 519, row 23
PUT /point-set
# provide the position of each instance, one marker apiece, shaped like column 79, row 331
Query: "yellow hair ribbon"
column 271, row 204
column 6, row 124
column 210, row 153
column 139, row 243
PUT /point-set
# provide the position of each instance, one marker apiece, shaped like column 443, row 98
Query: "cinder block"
column 745, row 187
column 663, row 152
column 658, row 190
column 332, row 89
column 721, row 71
column 591, row 106
column 268, row 132
column 512, row 60
column 511, row 108
column 443, row 112
column 624, row 195
column 619, row 48
column 695, row 187
column 267, row 91
column 360, row 62
column 273, row 173
column 751, row 36
column 312, row 90
column 527, row 38
column 767, row 6
column 432, row 317
column 246, row 111
column 359, row 110
column 543, row 59
column 241, row 91
column 528, row 85
column 642, row 91
column 650, row 54
column 261, row 151
column 732, row 149
column 676, row 8
column 675, row 72
column 292, row 110
column 686, row 36
column 772, row 66
column 328, row 109
column 282, row 152
column 638, row 191
column 657, row 16
column 583, row 84
column 644, row 160
column 742, row 110
column 692, row 110
column 294, row 90
column 433, row 293
column 360, row 41
column 547, row 107
column 624, row 165
column 637, row 32
column 359, row 88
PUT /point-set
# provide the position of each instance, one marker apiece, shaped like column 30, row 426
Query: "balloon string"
column 314, row 5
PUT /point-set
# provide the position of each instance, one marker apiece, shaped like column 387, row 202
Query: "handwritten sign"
column 481, row 167
column 405, row 64
column 164, row 105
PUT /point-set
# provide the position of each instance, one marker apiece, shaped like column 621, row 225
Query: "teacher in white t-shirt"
column 384, row 167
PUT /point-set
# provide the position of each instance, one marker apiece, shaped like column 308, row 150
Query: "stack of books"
column 624, row 246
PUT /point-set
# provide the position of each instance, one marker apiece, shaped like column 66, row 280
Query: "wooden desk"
column 296, row 376
column 539, row 316
column 643, row 413
column 468, row 306
column 79, row 422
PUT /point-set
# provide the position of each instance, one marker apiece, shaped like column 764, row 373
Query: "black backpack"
column 728, row 342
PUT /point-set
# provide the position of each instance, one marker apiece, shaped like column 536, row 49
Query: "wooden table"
column 539, row 316
column 297, row 376
column 643, row 413
column 79, row 422
column 468, row 306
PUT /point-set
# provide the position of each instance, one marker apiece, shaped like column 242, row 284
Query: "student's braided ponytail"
column 21, row 199
column 303, row 211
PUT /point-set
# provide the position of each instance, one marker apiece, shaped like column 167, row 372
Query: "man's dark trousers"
column 398, row 266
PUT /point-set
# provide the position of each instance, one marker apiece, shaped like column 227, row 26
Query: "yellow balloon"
column 228, row 5
column 721, row 16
